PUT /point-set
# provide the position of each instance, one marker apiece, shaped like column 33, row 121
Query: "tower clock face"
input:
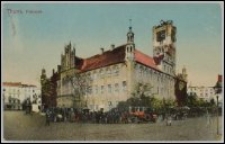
column 161, row 35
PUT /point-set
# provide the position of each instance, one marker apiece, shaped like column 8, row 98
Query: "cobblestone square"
column 18, row 126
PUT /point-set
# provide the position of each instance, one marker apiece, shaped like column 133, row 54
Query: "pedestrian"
column 207, row 118
column 169, row 121
column 48, row 116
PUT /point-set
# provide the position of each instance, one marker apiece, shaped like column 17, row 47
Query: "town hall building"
column 103, row 80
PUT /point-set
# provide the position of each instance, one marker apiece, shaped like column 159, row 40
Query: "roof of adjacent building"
column 17, row 84
column 113, row 56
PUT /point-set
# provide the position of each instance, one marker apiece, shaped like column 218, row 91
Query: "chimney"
column 112, row 46
column 53, row 71
column 102, row 49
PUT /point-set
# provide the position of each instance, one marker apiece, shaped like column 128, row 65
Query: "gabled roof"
column 109, row 57
column 114, row 56
column 145, row 59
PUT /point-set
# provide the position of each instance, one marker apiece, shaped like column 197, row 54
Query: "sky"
column 32, row 41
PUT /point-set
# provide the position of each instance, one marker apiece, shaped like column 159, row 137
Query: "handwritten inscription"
column 19, row 11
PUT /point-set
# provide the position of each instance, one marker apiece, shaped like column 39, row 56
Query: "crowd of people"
column 113, row 116
column 85, row 116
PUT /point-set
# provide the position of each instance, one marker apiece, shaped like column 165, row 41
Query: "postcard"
column 112, row 72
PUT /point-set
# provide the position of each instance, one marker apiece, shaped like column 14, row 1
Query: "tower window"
column 161, row 35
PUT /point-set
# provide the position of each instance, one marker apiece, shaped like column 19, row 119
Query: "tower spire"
column 130, row 22
column 130, row 34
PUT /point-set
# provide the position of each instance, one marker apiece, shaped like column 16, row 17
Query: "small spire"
column 130, row 34
column 130, row 22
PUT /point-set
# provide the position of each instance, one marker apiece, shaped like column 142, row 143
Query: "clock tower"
column 164, row 46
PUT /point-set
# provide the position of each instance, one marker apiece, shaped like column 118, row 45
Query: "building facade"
column 202, row 92
column 110, row 77
column 15, row 93
column 207, row 93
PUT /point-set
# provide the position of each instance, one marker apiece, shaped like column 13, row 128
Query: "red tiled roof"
column 12, row 84
column 79, row 62
column 27, row 85
column 17, row 84
column 114, row 56
column 145, row 59
column 110, row 57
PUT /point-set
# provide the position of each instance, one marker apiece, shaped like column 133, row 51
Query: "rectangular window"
column 90, row 90
column 102, row 89
column 109, row 103
column 124, row 83
column 108, row 72
column 96, row 89
column 117, row 72
column 109, row 88
column 116, row 87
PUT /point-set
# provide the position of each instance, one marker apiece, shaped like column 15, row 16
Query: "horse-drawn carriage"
column 142, row 114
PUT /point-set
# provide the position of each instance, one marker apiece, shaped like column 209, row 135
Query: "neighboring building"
column 202, row 92
column 207, row 93
column 15, row 93
column 111, row 75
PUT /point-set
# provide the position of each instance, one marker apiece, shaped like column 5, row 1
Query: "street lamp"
column 217, row 113
column 217, row 91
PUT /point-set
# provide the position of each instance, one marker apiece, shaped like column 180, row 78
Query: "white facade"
column 15, row 94
column 202, row 92
column 162, row 83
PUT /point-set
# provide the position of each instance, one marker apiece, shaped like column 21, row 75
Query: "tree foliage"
column 143, row 96
column 193, row 101
column 81, row 85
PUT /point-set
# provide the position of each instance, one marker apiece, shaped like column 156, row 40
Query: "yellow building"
column 111, row 76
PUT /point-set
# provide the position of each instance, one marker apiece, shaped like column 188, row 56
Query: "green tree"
column 212, row 102
column 81, row 85
column 141, row 94
column 192, row 100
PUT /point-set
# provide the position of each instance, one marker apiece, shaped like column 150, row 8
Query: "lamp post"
column 217, row 113
column 217, row 91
